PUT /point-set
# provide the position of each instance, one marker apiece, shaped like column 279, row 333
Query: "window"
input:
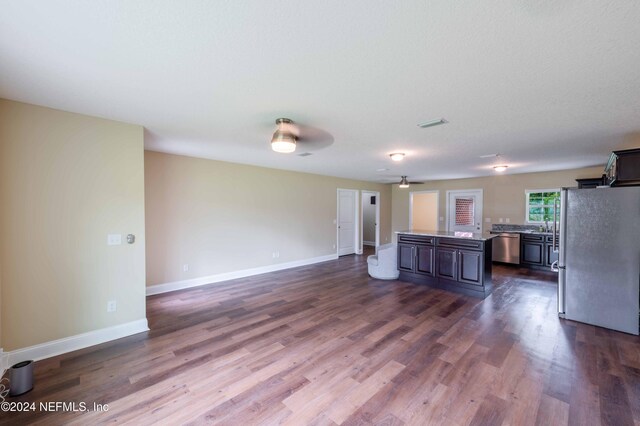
column 540, row 204
column 464, row 211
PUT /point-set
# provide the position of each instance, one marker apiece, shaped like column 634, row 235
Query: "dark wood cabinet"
column 591, row 182
column 532, row 250
column 416, row 256
column 461, row 265
column 446, row 265
column 406, row 258
column 424, row 259
column 623, row 168
column 550, row 255
column 470, row 267
column 536, row 251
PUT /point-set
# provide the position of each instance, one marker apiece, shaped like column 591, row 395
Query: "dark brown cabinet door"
column 424, row 260
column 470, row 267
column 446, row 263
column 532, row 253
column 406, row 257
column 551, row 255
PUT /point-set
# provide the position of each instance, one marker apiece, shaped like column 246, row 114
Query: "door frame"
column 356, row 221
column 377, row 195
column 451, row 192
column 430, row 191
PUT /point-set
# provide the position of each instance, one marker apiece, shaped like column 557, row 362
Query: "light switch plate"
column 114, row 239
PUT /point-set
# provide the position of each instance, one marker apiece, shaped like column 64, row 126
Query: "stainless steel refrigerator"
column 599, row 257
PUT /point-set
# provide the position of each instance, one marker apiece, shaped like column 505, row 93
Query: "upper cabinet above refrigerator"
column 623, row 168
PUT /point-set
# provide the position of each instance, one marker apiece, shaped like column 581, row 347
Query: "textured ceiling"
column 549, row 85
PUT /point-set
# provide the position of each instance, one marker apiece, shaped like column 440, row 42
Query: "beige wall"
column 66, row 181
column 425, row 211
column 504, row 195
column 220, row 217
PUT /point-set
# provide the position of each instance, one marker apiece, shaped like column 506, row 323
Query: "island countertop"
column 484, row 236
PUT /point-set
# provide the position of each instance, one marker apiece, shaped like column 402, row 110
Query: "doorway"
column 370, row 202
column 464, row 210
column 424, row 209
column 348, row 221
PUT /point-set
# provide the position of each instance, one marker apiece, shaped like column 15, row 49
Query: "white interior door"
column 464, row 211
column 346, row 221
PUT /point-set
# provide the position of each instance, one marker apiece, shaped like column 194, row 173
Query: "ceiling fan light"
column 397, row 156
column 500, row 168
column 403, row 182
column 283, row 140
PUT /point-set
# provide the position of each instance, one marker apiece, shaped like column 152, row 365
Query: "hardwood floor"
column 326, row 344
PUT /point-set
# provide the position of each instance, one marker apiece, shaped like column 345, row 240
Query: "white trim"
column 73, row 343
column 462, row 191
column 196, row 282
column 375, row 243
column 431, row 191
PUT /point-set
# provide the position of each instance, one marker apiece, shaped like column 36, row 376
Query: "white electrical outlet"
column 507, row 220
column 500, row 220
column 114, row 239
column 334, row 246
column 112, row 306
column 185, row 267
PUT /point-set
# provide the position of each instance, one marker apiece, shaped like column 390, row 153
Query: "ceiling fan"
column 404, row 182
column 289, row 133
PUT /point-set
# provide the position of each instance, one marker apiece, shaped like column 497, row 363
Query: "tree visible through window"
column 540, row 205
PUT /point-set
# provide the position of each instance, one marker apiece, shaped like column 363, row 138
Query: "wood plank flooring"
column 326, row 344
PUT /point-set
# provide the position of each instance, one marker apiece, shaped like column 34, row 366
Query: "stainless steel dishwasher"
column 506, row 248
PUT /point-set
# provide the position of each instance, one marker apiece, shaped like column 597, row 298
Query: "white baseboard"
column 369, row 243
column 73, row 343
column 195, row 282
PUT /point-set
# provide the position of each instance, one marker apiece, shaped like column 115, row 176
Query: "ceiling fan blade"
column 313, row 138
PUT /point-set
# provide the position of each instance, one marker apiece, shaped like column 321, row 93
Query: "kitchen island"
column 455, row 261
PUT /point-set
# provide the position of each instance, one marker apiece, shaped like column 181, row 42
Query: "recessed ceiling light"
column 381, row 170
column 433, row 123
column 397, row 156
column 500, row 168
column 489, row 155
